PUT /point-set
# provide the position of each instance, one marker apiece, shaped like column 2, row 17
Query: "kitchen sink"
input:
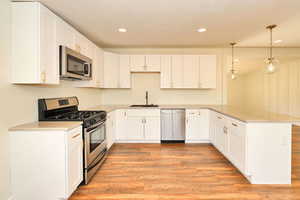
column 145, row 106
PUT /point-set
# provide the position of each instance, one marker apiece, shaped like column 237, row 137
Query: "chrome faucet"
column 146, row 97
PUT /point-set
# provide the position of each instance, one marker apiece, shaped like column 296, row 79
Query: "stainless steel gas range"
column 94, row 136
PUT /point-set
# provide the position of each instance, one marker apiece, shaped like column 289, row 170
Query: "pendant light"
column 232, row 71
column 271, row 68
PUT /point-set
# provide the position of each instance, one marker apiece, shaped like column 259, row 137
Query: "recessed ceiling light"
column 277, row 41
column 122, row 30
column 200, row 30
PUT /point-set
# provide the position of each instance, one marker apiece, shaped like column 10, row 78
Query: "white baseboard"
column 198, row 141
column 137, row 141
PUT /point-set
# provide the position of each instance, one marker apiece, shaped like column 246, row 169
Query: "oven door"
column 94, row 138
column 74, row 65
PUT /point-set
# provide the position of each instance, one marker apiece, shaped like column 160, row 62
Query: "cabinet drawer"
column 75, row 135
column 143, row 112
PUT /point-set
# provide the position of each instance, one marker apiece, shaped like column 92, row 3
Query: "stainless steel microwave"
column 74, row 65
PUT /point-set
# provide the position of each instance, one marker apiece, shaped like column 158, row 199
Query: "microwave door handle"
column 87, row 69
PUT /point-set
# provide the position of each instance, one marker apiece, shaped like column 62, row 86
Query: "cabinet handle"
column 234, row 124
column 75, row 136
column 43, row 76
column 225, row 129
column 220, row 117
column 187, row 120
column 125, row 114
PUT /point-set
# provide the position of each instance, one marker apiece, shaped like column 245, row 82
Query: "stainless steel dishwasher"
column 172, row 125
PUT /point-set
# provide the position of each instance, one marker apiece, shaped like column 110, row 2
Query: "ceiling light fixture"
column 201, row 30
column 122, row 30
column 271, row 68
column 233, row 72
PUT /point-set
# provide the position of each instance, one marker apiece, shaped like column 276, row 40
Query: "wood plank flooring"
column 180, row 172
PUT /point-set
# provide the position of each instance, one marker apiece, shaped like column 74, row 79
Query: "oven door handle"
column 93, row 127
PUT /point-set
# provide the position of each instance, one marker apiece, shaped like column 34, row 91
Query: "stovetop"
column 88, row 118
column 77, row 115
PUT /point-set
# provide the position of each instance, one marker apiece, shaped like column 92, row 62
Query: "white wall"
column 278, row 92
column 142, row 82
column 18, row 103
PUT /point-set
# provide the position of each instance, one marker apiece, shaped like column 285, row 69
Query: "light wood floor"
column 180, row 172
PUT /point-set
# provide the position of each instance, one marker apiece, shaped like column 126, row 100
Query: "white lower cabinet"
column 141, row 125
column 237, row 144
column 197, row 125
column 221, row 131
column 46, row 164
column 110, row 128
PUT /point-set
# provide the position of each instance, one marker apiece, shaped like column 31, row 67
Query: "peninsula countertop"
column 245, row 115
column 47, row 126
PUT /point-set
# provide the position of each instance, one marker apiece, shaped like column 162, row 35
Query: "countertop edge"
column 44, row 126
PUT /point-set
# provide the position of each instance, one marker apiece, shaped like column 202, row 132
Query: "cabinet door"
column 191, row 71
column 110, row 129
column 111, row 70
column 48, row 49
column 64, row 34
column 75, row 162
column 212, row 127
column 134, row 129
column 166, row 72
column 83, row 45
column 237, row 145
column 208, row 71
column 197, row 125
column 125, row 75
column 152, row 128
column 221, row 134
column 153, row 63
column 138, row 63
column 177, row 71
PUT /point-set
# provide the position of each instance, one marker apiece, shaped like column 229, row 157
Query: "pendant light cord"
column 271, row 44
column 232, row 58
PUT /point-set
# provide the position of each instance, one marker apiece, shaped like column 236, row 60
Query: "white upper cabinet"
column 145, row 63
column 153, row 63
column 191, row 71
column 188, row 71
column 166, row 72
column 177, row 71
column 138, row 63
column 65, row 34
column 111, row 70
column 116, row 73
column 37, row 34
column 208, row 71
column 34, row 44
column 124, row 74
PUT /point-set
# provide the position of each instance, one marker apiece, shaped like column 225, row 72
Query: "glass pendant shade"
column 233, row 76
column 271, row 68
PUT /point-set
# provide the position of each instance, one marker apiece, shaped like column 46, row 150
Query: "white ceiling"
column 173, row 23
